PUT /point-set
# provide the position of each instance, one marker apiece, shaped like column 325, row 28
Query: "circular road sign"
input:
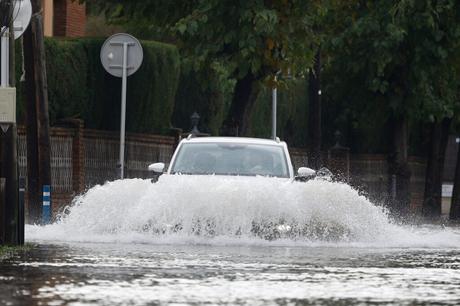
column 22, row 12
column 112, row 53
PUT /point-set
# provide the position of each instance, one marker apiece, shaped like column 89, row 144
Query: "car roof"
column 245, row 140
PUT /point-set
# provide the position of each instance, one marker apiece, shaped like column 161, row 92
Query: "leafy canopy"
column 246, row 37
column 399, row 53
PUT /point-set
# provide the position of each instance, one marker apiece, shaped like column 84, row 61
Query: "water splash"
column 222, row 210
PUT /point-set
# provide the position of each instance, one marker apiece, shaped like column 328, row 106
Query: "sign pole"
column 121, row 56
column 123, row 109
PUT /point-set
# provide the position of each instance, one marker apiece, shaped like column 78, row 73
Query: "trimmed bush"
column 78, row 86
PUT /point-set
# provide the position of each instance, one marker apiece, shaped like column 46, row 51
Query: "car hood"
column 225, row 178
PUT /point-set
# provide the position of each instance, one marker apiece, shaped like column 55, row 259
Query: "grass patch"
column 7, row 251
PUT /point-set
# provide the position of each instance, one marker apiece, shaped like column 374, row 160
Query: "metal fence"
column 100, row 161
column 102, row 157
column 61, row 161
column 83, row 158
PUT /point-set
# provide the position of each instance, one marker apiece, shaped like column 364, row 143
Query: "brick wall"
column 69, row 18
column 60, row 15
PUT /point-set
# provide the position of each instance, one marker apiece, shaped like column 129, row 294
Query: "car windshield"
column 231, row 159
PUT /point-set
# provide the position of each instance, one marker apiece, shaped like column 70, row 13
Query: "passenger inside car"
column 260, row 163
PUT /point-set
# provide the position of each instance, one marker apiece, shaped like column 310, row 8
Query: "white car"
column 235, row 156
column 238, row 157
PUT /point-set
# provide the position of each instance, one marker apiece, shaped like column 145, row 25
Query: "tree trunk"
column 399, row 172
column 10, row 169
column 314, row 114
column 237, row 122
column 439, row 135
column 455, row 204
column 38, row 142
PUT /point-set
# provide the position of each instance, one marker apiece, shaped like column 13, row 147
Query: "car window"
column 231, row 159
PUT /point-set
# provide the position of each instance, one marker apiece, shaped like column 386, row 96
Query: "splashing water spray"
column 223, row 210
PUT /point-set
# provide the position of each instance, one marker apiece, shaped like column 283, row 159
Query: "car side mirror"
column 305, row 172
column 157, row 167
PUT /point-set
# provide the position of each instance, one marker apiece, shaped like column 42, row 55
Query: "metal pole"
column 274, row 106
column 5, row 46
column 123, row 109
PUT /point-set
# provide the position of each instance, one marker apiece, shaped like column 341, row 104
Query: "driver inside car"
column 260, row 163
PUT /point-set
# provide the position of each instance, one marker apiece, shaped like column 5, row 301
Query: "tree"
column 454, row 213
column 250, row 40
column 439, row 135
column 394, row 56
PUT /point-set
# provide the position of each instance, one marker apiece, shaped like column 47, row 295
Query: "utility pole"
column 9, row 168
column 38, row 140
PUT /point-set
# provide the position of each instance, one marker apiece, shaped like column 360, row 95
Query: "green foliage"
column 252, row 39
column 392, row 57
column 400, row 52
column 209, row 94
column 380, row 58
column 255, row 36
column 78, row 86
column 67, row 68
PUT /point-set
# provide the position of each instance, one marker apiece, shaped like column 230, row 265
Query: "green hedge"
column 78, row 86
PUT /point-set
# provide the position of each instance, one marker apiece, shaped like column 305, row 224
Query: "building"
column 64, row 18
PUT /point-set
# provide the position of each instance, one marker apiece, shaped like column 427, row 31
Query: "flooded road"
column 222, row 241
column 140, row 274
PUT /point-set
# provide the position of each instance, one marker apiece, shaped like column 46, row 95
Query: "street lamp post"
column 274, row 107
column 275, row 100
